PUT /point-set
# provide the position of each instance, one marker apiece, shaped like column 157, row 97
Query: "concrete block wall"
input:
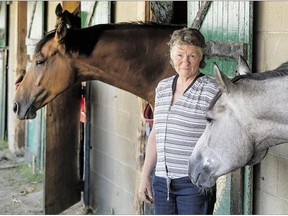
column 271, row 50
column 115, row 132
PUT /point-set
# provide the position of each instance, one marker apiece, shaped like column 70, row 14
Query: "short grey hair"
column 189, row 36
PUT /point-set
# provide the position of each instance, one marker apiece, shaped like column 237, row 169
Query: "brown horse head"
column 45, row 78
column 45, row 57
column 72, row 21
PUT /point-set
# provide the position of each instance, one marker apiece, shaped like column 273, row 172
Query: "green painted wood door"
column 3, row 93
column 3, row 71
column 3, row 23
column 229, row 21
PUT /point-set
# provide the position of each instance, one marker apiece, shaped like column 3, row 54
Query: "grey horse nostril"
column 15, row 107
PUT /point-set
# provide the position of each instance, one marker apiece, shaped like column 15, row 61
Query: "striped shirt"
column 179, row 127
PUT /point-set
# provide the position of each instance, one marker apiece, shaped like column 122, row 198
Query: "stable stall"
column 115, row 131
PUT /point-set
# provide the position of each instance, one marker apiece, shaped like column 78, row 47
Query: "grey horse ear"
column 224, row 83
column 242, row 67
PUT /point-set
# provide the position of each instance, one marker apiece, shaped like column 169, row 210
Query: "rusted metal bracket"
column 224, row 49
column 201, row 14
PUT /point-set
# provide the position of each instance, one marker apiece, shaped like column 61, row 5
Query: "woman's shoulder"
column 164, row 86
column 207, row 80
column 166, row 82
column 209, row 84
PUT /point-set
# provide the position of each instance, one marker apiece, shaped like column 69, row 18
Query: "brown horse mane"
column 83, row 40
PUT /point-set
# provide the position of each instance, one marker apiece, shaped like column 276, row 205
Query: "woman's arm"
column 145, row 191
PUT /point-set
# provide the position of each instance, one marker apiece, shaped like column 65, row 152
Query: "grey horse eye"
column 208, row 119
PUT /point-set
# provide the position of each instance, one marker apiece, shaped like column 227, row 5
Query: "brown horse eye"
column 39, row 62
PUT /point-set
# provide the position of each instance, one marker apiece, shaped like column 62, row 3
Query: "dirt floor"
column 21, row 190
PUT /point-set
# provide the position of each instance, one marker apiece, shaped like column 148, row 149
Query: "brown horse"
column 130, row 56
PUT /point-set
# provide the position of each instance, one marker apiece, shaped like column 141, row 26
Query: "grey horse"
column 248, row 116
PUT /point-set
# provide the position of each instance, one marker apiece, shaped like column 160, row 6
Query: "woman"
column 181, row 103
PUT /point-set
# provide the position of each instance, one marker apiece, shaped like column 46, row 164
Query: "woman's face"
column 186, row 59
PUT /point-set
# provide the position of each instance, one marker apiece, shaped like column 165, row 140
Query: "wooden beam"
column 21, row 37
column 21, row 61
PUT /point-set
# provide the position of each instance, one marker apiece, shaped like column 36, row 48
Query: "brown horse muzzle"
column 29, row 113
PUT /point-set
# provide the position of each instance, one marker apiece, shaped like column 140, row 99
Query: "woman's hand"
column 145, row 192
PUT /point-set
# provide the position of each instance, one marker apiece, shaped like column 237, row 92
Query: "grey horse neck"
column 266, row 97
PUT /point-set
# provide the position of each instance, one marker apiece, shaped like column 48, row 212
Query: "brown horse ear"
column 224, row 83
column 61, row 32
column 58, row 10
column 242, row 67
column 77, row 11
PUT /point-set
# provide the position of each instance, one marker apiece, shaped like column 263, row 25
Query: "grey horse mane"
column 281, row 71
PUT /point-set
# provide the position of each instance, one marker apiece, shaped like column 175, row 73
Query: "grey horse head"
column 247, row 117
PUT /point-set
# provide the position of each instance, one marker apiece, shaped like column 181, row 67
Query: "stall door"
column 229, row 23
column 3, row 70
column 62, row 172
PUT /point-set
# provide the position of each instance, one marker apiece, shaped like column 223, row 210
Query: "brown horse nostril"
column 15, row 107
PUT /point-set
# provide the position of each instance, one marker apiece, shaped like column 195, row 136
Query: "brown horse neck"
column 86, row 72
column 135, row 66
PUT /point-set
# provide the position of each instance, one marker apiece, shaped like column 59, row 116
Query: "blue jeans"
column 184, row 197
